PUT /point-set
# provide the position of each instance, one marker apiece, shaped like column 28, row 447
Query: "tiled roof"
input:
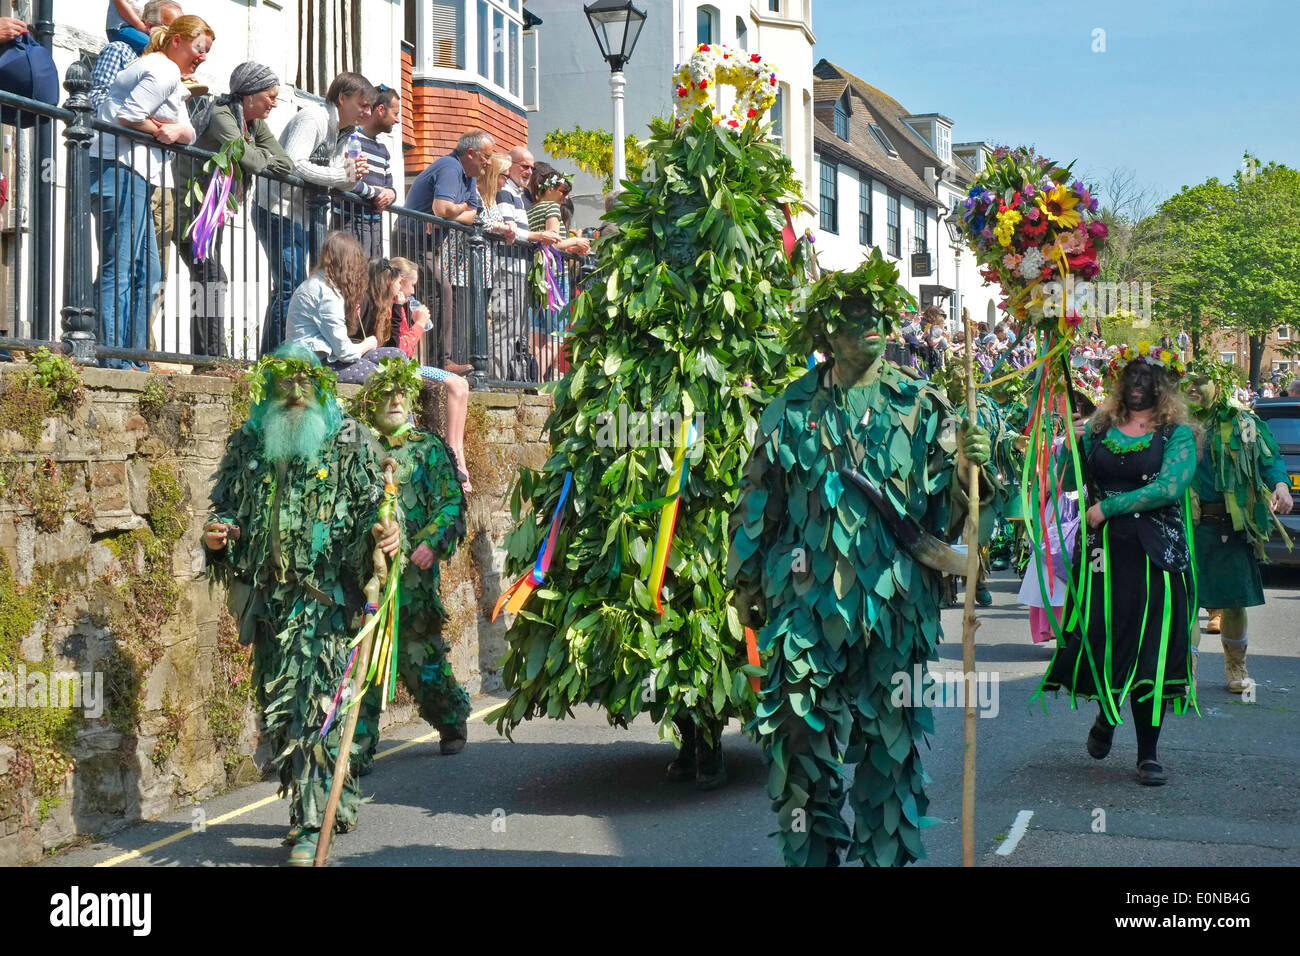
column 828, row 90
column 914, row 154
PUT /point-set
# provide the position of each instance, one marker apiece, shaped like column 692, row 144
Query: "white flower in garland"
column 752, row 77
column 1032, row 264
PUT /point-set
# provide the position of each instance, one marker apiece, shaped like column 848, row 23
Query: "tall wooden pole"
column 969, row 621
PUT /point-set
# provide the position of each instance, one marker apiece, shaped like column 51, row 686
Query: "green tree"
column 687, row 316
column 592, row 151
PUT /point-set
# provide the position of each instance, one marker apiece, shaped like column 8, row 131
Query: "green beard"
column 293, row 434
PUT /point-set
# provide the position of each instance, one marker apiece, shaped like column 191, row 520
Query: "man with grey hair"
column 448, row 189
column 1293, row 390
column 119, row 54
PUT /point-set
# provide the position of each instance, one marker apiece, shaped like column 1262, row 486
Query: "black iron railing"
column 110, row 213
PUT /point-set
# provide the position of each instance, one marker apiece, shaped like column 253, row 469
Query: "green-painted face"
column 1207, row 391
column 294, row 391
column 391, row 413
column 863, row 342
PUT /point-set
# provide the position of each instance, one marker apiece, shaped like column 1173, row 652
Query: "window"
column 830, row 220
column 892, row 236
column 514, row 58
column 882, row 139
column 484, row 61
column 447, row 33
column 1284, row 333
column 498, row 25
column 864, row 211
column 1229, row 357
column 706, row 25
column 842, row 117
column 742, row 34
column 921, row 230
column 778, row 117
column 945, row 142
column 531, row 79
column 773, row 6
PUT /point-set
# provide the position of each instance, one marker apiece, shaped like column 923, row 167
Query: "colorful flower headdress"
column 713, row 65
column 286, row 362
column 1146, row 352
column 395, row 374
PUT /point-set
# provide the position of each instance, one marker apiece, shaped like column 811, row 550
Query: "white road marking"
column 1017, row 831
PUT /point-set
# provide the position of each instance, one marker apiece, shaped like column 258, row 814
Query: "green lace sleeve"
column 1169, row 484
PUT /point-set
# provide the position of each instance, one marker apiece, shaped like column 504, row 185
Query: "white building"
column 574, row 79
column 890, row 178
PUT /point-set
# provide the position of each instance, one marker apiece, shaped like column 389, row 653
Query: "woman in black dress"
column 1129, row 630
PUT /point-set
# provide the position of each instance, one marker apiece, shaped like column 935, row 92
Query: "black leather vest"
column 1162, row 531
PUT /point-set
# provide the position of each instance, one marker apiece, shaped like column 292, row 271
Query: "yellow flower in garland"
column 1058, row 205
column 321, row 473
column 1006, row 227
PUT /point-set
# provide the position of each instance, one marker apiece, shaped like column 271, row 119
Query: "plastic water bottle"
column 354, row 152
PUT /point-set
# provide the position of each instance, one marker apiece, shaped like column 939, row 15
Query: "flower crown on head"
column 553, row 181
column 1146, row 352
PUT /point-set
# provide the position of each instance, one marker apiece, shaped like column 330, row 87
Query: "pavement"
column 578, row 792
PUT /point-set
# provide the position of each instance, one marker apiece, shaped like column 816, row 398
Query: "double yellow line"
column 258, row 804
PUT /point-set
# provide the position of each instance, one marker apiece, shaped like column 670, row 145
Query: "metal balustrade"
column 133, row 291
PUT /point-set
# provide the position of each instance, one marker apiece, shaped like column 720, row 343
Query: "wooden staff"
column 969, row 621
column 359, row 670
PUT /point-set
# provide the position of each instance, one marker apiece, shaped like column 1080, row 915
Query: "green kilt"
column 1226, row 568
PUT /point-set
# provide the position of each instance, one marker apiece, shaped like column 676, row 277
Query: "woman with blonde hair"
column 1138, row 603
column 148, row 97
column 324, row 313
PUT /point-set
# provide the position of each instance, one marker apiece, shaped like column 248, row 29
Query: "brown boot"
column 1234, row 664
column 1213, row 625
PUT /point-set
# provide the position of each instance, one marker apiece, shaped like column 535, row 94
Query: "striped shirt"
column 379, row 175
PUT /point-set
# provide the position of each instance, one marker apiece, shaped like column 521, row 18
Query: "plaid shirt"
column 112, row 60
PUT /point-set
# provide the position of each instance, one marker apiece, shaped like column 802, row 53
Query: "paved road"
column 579, row 792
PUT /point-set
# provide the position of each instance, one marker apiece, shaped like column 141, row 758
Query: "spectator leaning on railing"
column 118, row 54
column 311, row 140
column 239, row 114
column 325, row 311
column 147, row 96
column 361, row 212
column 447, row 189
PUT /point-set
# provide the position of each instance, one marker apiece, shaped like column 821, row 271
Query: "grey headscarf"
column 245, row 80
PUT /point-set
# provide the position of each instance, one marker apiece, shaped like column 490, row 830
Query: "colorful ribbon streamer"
column 211, row 215
column 668, row 516
column 555, row 297
column 515, row 596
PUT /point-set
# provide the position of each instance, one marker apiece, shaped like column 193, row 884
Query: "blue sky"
column 1182, row 89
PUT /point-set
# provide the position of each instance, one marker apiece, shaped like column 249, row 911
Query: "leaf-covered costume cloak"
column 298, row 567
column 1236, row 472
column 431, row 503
column 843, row 608
column 684, row 320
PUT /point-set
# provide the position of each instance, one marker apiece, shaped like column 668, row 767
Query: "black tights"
column 1147, row 736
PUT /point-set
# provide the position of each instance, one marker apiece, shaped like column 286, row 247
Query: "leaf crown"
column 286, row 363
column 869, row 296
column 394, row 375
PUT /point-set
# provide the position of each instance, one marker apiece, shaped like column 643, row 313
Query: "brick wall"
column 442, row 114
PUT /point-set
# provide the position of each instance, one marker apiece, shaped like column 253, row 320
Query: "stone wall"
column 75, row 574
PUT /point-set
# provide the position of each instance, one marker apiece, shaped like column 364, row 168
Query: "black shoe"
column 1150, row 774
column 683, row 768
column 710, row 769
column 452, row 740
column 1099, row 738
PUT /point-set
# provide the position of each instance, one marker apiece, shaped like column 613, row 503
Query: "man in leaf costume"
column 433, row 523
column 1241, row 480
column 843, row 609
column 292, row 535
column 683, row 322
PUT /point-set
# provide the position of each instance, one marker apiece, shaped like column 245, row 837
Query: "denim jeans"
column 286, row 249
column 129, row 268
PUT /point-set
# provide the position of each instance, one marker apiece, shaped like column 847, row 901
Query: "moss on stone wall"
column 232, row 691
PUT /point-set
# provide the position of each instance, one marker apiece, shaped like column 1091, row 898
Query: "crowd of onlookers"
column 325, row 259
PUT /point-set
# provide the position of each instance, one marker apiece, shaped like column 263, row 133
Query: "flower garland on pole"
column 1033, row 228
column 713, row 65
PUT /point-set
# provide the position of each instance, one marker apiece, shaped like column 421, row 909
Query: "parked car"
column 1283, row 418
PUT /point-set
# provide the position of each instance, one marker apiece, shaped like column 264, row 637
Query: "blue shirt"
column 445, row 178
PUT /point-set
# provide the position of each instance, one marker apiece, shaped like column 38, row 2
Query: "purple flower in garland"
column 1079, row 187
column 986, row 233
column 1093, row 204
column 990, row 196
column 969, row 204
column 1029, row 191
column 977, row 223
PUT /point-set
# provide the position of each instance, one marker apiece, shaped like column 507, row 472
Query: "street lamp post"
column 617, row 26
